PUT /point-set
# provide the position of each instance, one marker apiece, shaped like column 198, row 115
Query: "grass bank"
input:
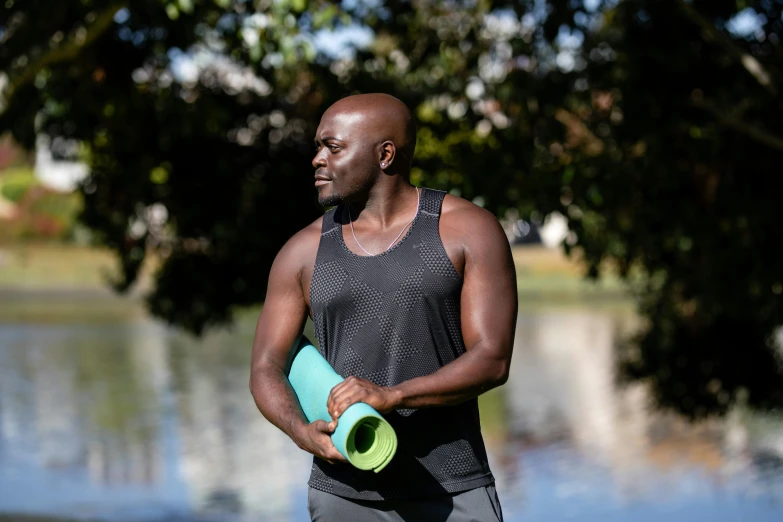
column 549, row 274
column 54, row 267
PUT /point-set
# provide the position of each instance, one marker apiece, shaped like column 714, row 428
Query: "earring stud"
column 383, row 164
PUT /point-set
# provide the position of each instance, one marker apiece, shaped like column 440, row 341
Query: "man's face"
column 345, row 162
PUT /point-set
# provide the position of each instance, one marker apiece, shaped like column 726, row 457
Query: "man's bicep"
column 489, row 293
column 283, row 314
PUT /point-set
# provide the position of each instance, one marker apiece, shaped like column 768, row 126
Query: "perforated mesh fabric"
column 390, row 318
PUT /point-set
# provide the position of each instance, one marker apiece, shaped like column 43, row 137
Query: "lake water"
column 106, row 414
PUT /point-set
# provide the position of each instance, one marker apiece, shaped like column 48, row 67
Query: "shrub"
column 43, row 213
column 14, row 183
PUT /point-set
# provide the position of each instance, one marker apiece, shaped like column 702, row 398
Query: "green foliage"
column 650, row 124
column 685, row 186
column 15, row 182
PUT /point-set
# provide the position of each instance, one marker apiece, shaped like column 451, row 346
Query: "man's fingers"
column 330, row 401
column 328, row 452
column 334, row 400
column 348, row 383
column 340, row 388
column 323, row 426
column 335, row 456
column 341, row 395
column 334, row 460
column 341, row 402
column 345, row 394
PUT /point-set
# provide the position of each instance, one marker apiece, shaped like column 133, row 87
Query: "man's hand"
column 355, row 389
column 315, row 438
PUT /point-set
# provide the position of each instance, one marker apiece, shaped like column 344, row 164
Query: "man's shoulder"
column 465, row 215
column 310, row 232
column 303, row 245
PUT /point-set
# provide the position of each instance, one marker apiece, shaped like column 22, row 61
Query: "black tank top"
column 389, row 318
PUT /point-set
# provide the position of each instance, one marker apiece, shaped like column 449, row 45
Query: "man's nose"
column 319, row 160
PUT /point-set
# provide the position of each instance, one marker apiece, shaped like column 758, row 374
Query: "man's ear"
column 388, row 153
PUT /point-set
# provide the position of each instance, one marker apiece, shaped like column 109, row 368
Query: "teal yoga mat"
column 362, row 435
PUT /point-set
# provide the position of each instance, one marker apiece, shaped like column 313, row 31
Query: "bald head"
column 363, row 142
column 379, row 117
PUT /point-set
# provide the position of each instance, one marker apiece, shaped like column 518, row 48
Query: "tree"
column 656, row 126
column 210, row 168
column 681, row 185
column 196, row 168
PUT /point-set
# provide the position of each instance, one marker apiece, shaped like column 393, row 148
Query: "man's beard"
column 347, row 193
column 331, row 200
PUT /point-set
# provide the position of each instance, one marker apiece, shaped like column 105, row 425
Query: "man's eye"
column 333, row 148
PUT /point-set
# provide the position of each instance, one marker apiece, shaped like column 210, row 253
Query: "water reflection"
column 128, row 420
column 123, row 419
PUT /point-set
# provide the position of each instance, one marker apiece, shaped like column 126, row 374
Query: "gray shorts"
column 476, row 505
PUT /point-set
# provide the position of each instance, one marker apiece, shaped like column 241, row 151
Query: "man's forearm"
column 468, row 376
column 276, row 399
column 471, row 374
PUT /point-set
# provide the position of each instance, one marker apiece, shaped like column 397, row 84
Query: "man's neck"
column 386, row 202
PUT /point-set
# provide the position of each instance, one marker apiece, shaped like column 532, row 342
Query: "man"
column 413, row 297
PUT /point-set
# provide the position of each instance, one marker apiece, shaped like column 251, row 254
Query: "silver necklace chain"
column 350, row 220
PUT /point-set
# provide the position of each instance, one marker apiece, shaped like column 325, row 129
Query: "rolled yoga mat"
column 362, row 435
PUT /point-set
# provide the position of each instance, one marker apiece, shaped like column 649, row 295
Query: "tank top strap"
column 431, row 202
column 329, row 223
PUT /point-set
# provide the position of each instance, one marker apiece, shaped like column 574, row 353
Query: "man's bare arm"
column 278, row 331
column 489, row 311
